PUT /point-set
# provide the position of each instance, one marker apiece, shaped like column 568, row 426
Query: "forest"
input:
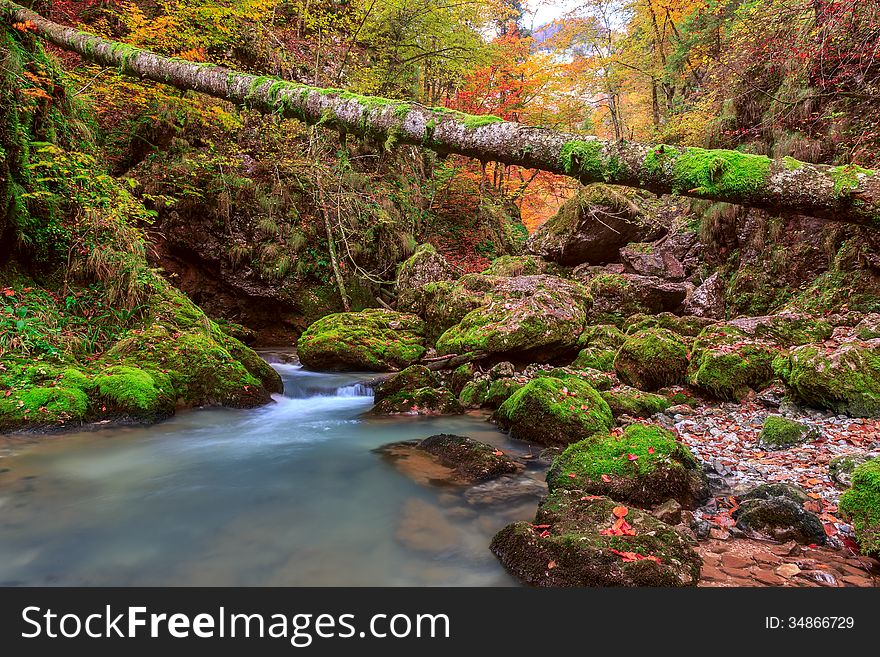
column 468, row 292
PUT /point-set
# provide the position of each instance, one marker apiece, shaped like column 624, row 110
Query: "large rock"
column 707, row 300
column 645, row 466
column 652, row 359
column 529, row 318
column 573, row 542
column 786, row 329
column 591, row 228
column 845, row 379
column 726, row 363
column 617, row 296
column 646, row 259
column 625, row 400
column 861, row 506
column 781, row 433
column 776, row 512
column 424, row 266
column 414, row 391
column 372, row 340
column 523, row 265
column 551, row 411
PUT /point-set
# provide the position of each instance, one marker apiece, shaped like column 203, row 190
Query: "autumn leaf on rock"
column 606, row 478
column 620, row 511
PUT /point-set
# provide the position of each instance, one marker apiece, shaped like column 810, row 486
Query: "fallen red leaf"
column 632, row 457
column 634, row 556
column 830, row 529
column 544, row 534
column 572, row 475
column 620, row 511
column 606, row 478
column 551, row 565
column 650, row 450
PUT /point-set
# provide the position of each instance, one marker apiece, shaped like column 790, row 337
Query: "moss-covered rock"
column 474, row 393
column 414, row 391
column 726, row 364
column 500, row 390
column 136, row 393
column 786, row 330
column 596, row 378
column 844, row 380
column 460, row 377
column 551, row 411
column 595, row 359
column 618, row 296
column 841, row 468
column 645, row 465
column 571, row 543
column 537, row 321
column 602, row 336
column 423, row 267
column 472, row 460
column 652, row 359
column 522, row 265
column 781, row 433
column 42, row 406
column 861, row 506
column 869, row 327
column 625, row 400
column 371, row 340
column 688, row 325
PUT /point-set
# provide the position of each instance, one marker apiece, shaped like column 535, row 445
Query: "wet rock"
column 372, row 340
column 781, row 433
column 769, row 491
column 779, row 518
column 591, row 228
column 461, row 460
column 577, row 547
column 707, row 300
column 505, row 491
column 726, row 364
column 645, row 465
column 551, row 411
column 414, row 391
column 502, row 370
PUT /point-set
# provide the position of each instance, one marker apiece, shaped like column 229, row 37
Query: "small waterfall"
column 355, row 390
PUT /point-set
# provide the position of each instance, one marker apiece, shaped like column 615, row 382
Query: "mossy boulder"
column 423, row 267
column 869, row 327
column 474, row 393
column 522, row 265
column 472, row 460
column 726, row 364
column 534, row 318
column 461, row 376
column 781, row 433
column 687, row 325
column 500, row 391
column 571, row 544
column 551, row 411
column 444, row 304
column 595, row 359
column 645, row 465
column 618, row 296
column 596, row 378
column 599, row 345
column 415, row 390
column 625, row 400
column 652, row 359
column 136, row 393
column 375, row 340
column 841, row 468
column 845, row 379
column 861, row 506
column 786, row 330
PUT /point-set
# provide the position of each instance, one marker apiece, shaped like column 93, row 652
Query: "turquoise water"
column 286, row 494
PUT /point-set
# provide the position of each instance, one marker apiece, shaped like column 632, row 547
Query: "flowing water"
column 287, row 494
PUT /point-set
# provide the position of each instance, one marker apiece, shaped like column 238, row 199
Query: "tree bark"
column 845, row 193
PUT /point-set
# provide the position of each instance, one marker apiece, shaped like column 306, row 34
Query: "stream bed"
column 287, row 494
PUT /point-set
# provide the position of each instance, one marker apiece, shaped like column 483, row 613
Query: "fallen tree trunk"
column 843, row 193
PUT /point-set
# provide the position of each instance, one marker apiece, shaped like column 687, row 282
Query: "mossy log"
column 843, row 193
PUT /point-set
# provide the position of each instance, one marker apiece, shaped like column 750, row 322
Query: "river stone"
column 776, row 513
column 781, row 433
column 565, row 546
column 463, row 460
column 840, row 468
column 505, row 490
column 375, row 340
column 414, row 391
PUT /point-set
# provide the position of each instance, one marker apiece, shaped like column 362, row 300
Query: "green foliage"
column 861, row 505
